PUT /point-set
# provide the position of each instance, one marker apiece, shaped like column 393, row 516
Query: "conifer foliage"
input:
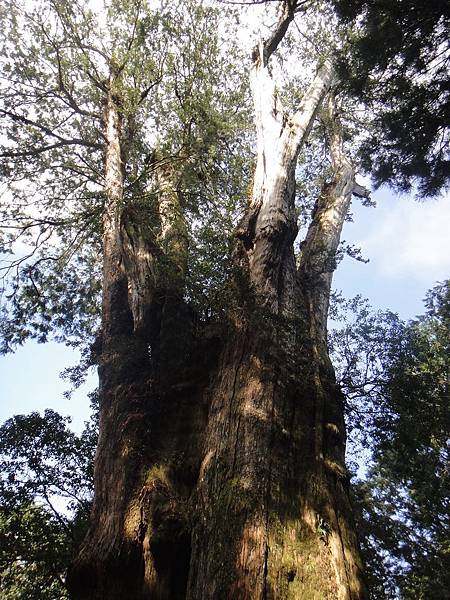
column 398, row 62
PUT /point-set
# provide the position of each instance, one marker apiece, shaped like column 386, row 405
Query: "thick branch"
column 360, row 191
column 114, row 302
column 270, row 226
column 263, row 52
column 318, row 258
column 300, row 124
column 140, row 256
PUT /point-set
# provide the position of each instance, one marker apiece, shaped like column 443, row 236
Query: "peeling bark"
column 318, row 257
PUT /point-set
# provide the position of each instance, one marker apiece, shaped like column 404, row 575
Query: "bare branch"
column 360, row 191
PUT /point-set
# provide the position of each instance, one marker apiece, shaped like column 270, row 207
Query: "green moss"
column 157, row 474
column 234, row 497
column 299, row 563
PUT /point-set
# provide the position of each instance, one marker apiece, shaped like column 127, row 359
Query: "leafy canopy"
column 176, row 107
column 397, row 63
column 46, row 488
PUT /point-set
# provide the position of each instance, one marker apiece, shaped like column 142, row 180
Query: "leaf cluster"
column 396, row 61
column 45, row 494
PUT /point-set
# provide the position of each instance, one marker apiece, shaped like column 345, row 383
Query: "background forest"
column 180, row 75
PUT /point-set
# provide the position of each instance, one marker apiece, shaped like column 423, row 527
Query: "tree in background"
column 45, row 498
column 398, row 63
column 396, row 379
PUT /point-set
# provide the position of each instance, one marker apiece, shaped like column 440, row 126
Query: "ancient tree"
column 220, row 466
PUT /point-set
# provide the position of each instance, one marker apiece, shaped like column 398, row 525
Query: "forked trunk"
column 273, row 519
column 220, row 468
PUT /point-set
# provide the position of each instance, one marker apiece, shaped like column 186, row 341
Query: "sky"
column 407, row 243
column 30, row 382
column 408, row 247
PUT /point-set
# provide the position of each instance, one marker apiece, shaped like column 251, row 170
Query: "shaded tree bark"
column 220, row 467
column 152, row 371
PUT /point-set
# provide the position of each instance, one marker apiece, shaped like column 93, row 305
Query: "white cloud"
column 410, row 238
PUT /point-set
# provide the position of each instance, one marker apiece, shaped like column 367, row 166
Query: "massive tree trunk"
column 273, row 518
column 220, row 467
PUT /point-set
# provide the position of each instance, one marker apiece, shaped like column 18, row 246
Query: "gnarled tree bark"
column 273, row 516
column 220, row 468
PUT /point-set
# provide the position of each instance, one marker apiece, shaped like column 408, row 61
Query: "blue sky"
column 408, row 245
column 30, row 382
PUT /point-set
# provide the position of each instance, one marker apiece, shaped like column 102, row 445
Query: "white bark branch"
column 360, row 191
column 318, row 258
column 270, row 225
column 300, row 124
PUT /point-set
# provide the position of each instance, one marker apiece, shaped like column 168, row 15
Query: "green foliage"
column 362, row 344
column 42, row 458
column 397, row 63
column 34, row 554
column 59, row 61
column 45, row 494
column 58, row 299
column 396, row 379
column 412, row 449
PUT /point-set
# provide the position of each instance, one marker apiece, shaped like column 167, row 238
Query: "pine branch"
column 43, row 149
